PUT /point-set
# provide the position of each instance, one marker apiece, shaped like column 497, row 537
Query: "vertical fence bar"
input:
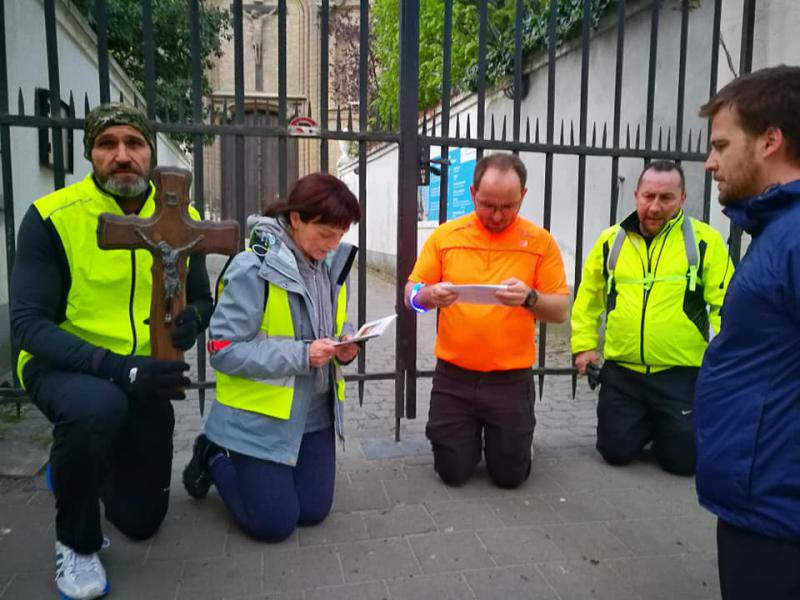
column 612, row 217
column 552, row 43
column 445, row 150
column 149, row 59
column 101, row 20
column 518, row 13
column 651, row 74
column 483, row 26
column 712, row 89
column 197, row 161
column 55, row 91
column 745, row 66
column 682, row 74
column 282, row 144
column 324, row 32
column 238, row 101
column 406, row 344
column 363, row 100
column 585, row 49
column 5, row 158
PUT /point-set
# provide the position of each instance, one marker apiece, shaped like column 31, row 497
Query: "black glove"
column 593, row 375
column 143, row 378
column 187, row 327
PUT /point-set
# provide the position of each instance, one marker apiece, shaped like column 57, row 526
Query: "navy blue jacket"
column 747, row 404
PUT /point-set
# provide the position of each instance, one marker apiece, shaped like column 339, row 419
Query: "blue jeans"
column 268, row 500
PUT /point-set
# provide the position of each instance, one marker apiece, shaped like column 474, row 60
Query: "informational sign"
column 459, row 180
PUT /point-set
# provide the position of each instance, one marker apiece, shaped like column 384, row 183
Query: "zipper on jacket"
column 646, row 291
column 130, row 301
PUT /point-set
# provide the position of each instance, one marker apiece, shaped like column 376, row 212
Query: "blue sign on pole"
column 459, row 180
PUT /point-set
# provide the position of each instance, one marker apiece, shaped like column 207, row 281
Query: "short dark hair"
column 322, row 198
column 663, row 166
column 763, row 99
column 503, row 162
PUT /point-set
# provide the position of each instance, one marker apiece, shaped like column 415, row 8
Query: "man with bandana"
column 79, row 318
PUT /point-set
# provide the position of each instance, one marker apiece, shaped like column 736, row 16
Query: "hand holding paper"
column 477, row 293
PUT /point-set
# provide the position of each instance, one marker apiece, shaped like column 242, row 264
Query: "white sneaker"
column 79, row 576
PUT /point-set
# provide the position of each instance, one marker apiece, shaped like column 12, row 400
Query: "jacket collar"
column 753, row 214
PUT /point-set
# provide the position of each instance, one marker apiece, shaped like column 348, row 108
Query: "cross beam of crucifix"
column 170, row 235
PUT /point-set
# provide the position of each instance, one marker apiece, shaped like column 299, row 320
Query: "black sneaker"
column 196, row 478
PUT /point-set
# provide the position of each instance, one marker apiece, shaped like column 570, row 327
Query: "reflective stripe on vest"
column 273, row 397
column 692, row 257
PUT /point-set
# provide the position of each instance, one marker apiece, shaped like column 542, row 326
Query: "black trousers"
column 634, row 409
column 105, row 447
column 473, row 411
column 755, row 567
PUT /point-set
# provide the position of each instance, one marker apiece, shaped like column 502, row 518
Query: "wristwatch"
column 531, row 299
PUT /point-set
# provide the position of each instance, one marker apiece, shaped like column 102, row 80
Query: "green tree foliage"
column 172, row 53
column 385, row 19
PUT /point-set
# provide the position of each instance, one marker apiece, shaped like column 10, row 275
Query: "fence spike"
column 86, row 107
column 594, row 134
column 492, row 129
column 699, row 138
column 338, row 117
column 378, row 124
column 571, row 132
column 468, row 127
column 562, row 132
column 605, row 134
column 309, row 109
column 349, row 119
column 503, row 135
column 389, row 124
column 628, row 136
column 536, row 135
column 71, row 105
column 425, row 122
column 20, row 103
column 638, row 131
column 542, row 354
column 224, row 109
column 121, row 97
column 659, row 138
column 458, row 126
column 361, row 393
column 527, row 130
column 181, row 108
column 669, row 139
column 433, row 123
column 689, row 142
column 574, row 384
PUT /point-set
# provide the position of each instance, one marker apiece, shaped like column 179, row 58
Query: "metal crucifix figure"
column 170, row 234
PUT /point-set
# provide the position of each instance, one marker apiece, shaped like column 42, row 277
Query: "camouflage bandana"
column 115, row 113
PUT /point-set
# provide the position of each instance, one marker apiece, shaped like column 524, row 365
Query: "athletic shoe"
column 79, row 576
column 196, row 477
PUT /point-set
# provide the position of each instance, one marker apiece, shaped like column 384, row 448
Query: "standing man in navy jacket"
column 747, row 403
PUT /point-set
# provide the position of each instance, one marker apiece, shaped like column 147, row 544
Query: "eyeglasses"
column 497, row 208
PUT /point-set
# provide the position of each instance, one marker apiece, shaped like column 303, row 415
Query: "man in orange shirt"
column 483, row 386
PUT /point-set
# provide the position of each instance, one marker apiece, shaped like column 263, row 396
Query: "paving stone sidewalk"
column 578, row 529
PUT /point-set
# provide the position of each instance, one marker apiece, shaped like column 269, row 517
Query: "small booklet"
column 369, row 330
column 476, row 294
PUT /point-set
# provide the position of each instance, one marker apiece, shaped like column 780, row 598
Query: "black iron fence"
column 544, row 136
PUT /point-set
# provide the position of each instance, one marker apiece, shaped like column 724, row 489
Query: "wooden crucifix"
column 170, row 235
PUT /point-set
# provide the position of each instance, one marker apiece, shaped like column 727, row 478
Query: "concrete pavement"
column 578, row 529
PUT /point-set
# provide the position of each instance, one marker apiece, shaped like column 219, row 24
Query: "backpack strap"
column 613, row 256
column 692, row 250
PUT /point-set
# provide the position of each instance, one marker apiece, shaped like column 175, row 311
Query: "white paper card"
column 370, row 330
column 476, row 294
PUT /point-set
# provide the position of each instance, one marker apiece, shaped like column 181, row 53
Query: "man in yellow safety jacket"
column 659, row 277
column 79, row 316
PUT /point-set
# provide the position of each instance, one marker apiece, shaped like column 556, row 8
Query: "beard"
column 123, row 189
column 742, row 181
